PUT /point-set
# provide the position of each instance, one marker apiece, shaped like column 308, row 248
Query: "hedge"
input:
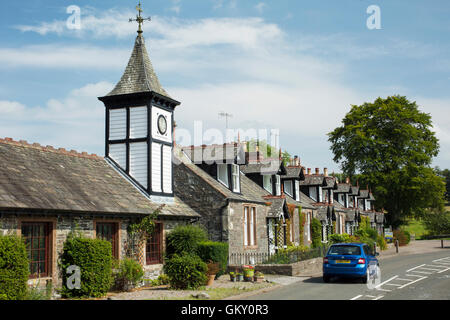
column 94, row 258
column 14, row 268
column 184, row 239
column 215, row 252
column 186, row 271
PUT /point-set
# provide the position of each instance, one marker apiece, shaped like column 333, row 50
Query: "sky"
column 292, row 66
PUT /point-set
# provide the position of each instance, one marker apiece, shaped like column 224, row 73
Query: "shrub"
column 401, row 236
column 186, row 271
column 316, row 233
column 215, row 252
column 184, row 239
column 130, row 274
column 381, row 243
column 94, row 258
column 14, row 268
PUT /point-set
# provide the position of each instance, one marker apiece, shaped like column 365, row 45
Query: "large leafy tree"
column 389, row 144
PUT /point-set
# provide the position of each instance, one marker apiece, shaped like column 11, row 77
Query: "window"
column 367, row 205
column 37, row 241
column 267, row 183
column 324, row 195
column 345, row 250
column 351, row 202
column 320, row 194
column 341, row 198
column 288, row 188
column 235, row 177
column 297, row 190
column 313, row 193
column 108, row 231
column 278, row 185
column 249, row 226
column 222, row 173
column 153, row 248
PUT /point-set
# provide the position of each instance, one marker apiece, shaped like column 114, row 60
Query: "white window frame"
column 277, row 185
column 235, row 178
column 223, row 166
column 286, row 183
column 313, row 195
column 320, row 194
column 297, row 190
column 268, row 186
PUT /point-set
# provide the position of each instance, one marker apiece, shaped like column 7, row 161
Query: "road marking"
column 407, row 284
column 424, row 272
column 376, row 287
column 358, row 296
column 415, row 268
column 378, row 298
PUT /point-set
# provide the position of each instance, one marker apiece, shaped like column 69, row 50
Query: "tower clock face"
column 162, row 124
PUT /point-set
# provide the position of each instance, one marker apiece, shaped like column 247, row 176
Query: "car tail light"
column 361, row 261
column 325, row 260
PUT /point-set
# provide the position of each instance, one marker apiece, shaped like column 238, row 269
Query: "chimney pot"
column 296, row 161
column 347, row 180
column 317, row 171
column 325, row 172
column 309, row 171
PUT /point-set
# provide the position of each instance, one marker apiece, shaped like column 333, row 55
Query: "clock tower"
column 139, row 125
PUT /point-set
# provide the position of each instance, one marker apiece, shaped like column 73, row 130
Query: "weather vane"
column 139, row 19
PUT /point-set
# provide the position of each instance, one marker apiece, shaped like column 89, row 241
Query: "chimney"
column 309, row 171
column 347, row 180
column 317, row 171
column 296, row 161
column 325, row 172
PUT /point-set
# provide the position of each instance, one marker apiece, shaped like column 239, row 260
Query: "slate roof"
column 139, row 75
column 216, row 153
column 311, row 180
column 364, row 194
column 250, row 191
column 354, row 191
column 343, row 188
column 36, row 178
column 293, row 172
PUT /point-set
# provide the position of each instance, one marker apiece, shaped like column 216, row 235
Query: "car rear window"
column 343, row 250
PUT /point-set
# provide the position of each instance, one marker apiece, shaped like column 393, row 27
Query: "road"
column 424, row 276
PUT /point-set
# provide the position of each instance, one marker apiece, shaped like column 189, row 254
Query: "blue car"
column 355, row 260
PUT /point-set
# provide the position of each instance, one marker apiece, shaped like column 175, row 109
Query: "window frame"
column 159, row 244
column 249, row 227
column 235, row 178
column 223, row 165
column 116, row 235
column 289, row 182
column 277, row 185
column 265, row 184
column 48, row 248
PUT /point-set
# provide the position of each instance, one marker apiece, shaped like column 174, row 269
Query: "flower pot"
column 240, row 277
column 248, row 279
column 232, row 278
column 258, row 279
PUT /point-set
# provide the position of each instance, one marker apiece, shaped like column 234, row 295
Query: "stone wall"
column 203, row 199
column 309, row 267
column 235, row 217
column 64, row 224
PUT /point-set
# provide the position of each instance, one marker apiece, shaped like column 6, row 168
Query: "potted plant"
column 239, row 277
column 258, row 277
column 213, row 269
column 248, row 273
column 232, row 276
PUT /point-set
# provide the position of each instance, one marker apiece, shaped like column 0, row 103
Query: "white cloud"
column 75, row 122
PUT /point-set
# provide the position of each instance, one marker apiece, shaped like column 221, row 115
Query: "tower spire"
column 139, row 19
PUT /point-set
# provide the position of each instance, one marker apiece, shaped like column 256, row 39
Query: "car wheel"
column 326, row 279
column 366, row 277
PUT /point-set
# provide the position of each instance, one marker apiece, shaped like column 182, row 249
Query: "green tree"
column 446, row 175
column 390, row 144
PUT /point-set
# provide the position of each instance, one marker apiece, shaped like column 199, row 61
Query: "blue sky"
column 296, row 66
